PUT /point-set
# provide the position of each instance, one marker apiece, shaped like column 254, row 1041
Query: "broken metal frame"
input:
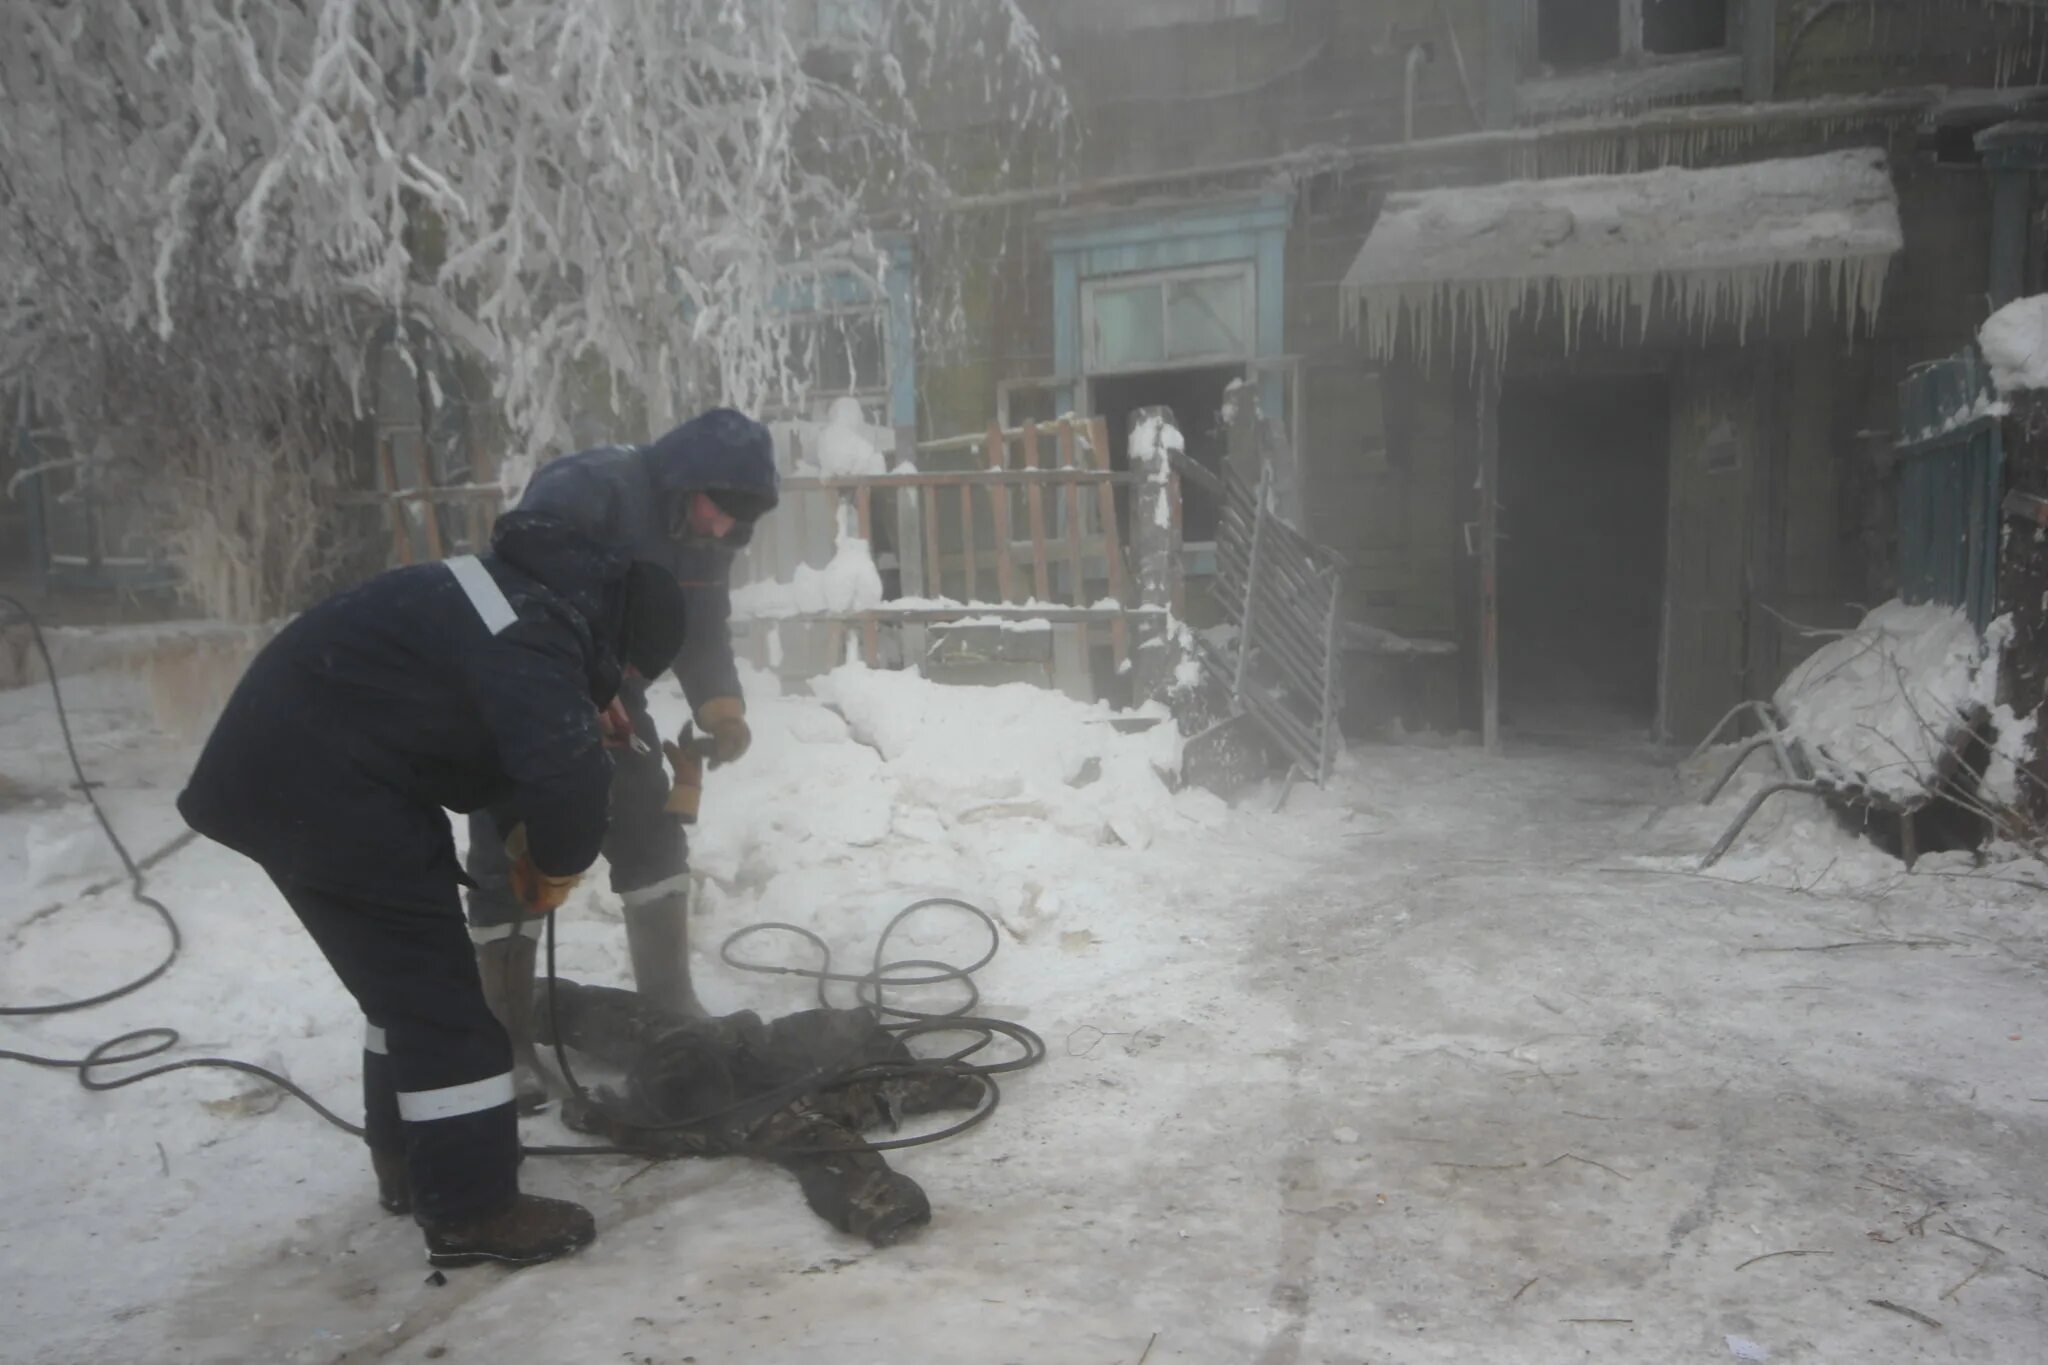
column 1284, row 594
column 1796, row 774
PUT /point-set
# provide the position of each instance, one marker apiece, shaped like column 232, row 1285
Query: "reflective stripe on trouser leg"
column 455, row 1101
column 529, row 927
column 413, row 971
column 381, row 1127
column 647, row 895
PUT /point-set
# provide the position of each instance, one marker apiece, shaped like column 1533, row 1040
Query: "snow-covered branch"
column 606, row 198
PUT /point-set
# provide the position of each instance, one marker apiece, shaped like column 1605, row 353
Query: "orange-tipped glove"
column 540, row 892
column 724, row 722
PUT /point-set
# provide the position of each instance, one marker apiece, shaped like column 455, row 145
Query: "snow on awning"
column 1717, row 245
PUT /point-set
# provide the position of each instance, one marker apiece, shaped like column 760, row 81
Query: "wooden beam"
column 948, row 478
column 864, row 516
column 1034, row 502
column 401, row 540
column 999, row 506
column 1112, row 547
column 1076, row 561
column 1487, row 413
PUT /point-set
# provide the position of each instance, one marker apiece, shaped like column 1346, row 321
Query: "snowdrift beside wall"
column 1883, row 704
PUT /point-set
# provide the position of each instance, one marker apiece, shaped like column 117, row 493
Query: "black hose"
column 869, row 988
column 843, row 1070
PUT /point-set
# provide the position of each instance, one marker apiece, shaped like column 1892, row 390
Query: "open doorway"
column 1196, row 397
column 1584, row 471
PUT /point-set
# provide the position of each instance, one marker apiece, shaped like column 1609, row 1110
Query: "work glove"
column 686, row 789
column 724, row 722
column 539, row 892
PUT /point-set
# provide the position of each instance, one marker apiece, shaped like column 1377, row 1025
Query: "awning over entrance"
column 1714, row 245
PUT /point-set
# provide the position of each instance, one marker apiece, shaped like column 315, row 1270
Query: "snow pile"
column 845, row 445
column 885, row 785
column 849, row 582
column 1148, row 439
column 1882, row 703
column 2015, row 342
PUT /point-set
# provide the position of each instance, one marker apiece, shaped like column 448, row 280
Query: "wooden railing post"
column 999, row 506
column 910, row 545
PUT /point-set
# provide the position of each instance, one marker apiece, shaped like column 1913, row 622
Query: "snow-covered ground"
column 1456, row 1061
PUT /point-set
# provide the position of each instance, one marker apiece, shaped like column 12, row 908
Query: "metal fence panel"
column 1951, row 464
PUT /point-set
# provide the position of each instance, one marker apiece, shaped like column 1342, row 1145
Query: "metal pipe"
column 1825, row 110
column 1729, row 773
column 1417, row 55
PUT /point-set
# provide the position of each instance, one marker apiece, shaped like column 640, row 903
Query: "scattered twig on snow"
column 1616, row 1321
column 1598, row 1118
column 1524, row 1289
column 1918, row 1227
column 1769, row 1254
column 1572, row 1156
column 635, row 1176
column 1891, row 1307
column 2035, row 1273
column 1860, row 943
column 1148, row 1349
column 1949, row 1231
column 1546, row 1004
column 1957, row 1288
column 1469, row 1166
column 163, row 1157
column 1807, row 887
column 1099, row 1035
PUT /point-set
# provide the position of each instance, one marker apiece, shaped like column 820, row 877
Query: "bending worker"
column 469, row 684
column 687, row 501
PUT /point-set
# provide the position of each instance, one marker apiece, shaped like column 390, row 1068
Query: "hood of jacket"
column 719, row 449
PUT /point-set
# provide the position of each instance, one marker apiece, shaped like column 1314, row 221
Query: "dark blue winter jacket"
column 633, row 497
column 461, row 685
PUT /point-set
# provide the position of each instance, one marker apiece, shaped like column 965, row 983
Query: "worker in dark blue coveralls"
column 471, row 684
column 687, row 501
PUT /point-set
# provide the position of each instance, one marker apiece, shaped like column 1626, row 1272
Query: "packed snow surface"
column 1452, row 1062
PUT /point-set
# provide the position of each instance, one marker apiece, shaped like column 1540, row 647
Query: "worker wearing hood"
column 687, row 501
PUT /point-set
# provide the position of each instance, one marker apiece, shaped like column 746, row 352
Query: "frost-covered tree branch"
column 584, row 197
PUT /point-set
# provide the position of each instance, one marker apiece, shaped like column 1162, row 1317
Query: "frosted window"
column 1130, row 327
column 840, row 352
column 1672, row 26
column 1208, row 317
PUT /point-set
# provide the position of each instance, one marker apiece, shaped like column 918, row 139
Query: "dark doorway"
column 1583, row 479
column 1196, row 397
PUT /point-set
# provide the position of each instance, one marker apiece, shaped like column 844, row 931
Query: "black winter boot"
column 526, row 1231
column 394, row 1186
